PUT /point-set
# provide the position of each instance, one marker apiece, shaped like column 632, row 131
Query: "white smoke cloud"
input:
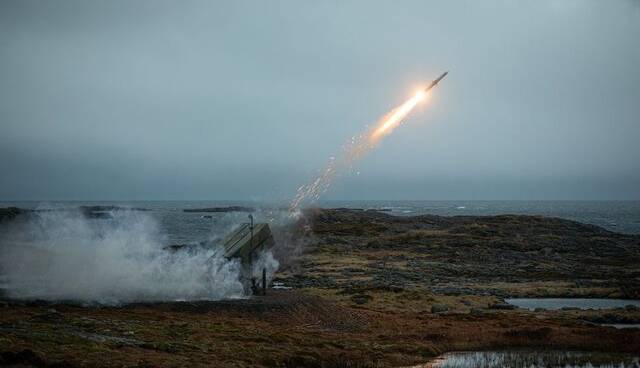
column 61, row 255
column 267, row 262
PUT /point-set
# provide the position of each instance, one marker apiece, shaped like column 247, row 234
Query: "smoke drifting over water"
column 61, row 255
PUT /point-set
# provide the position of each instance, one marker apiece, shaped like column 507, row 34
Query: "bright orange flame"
column 397, row 115
column 353, row 151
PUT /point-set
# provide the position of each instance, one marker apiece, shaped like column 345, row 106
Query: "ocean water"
column 618, row 216
column 182, row 227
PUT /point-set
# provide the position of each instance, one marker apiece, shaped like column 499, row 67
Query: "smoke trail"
column 61, row 255
column 352, row 152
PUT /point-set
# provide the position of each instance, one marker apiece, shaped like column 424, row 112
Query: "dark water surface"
column 180, row 227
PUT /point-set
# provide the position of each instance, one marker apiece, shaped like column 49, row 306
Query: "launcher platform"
column 246, row 240
column 245, row 243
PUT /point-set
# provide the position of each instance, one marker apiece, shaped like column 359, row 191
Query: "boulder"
column 502, row 306
column 439, row 308
column 569, row 308
column 361, row 298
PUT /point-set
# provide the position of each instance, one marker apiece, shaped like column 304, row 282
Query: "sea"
column 183, row 227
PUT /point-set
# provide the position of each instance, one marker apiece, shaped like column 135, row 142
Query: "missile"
column 435, row 82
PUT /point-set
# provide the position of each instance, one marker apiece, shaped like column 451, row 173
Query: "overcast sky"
column 247, row 100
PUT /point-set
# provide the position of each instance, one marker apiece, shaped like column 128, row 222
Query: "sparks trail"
column 357, row 147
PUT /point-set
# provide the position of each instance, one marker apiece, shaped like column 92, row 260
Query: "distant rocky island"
column 221, row 209
column 98, row 211
column 9, row 213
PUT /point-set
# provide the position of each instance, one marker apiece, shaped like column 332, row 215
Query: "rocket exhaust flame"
column 397, row 115
column 356, row 148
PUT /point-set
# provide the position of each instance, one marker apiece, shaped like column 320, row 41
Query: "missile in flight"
column 435, row 82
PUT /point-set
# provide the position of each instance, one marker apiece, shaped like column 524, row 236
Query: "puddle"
column 532, row 359
column 621, row 325
column 279, row 286
column 580, row 303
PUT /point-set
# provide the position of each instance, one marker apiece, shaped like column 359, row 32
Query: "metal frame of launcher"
column 244, row 243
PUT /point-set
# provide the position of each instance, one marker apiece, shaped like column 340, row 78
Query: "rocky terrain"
column 509, row 255
column 368, row 290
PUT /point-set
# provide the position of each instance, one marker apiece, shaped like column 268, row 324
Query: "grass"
column 385, row 275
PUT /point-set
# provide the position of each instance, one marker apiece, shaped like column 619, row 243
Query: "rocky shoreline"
column 509, row 255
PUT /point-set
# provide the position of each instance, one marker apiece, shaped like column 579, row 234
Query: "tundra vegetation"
column 368, row 289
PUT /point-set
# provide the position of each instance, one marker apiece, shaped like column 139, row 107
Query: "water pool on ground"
column 580, row 303
column 532, row 359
